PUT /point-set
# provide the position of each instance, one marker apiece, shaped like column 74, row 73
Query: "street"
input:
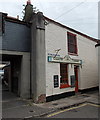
column 85, row 110
column 69, row 107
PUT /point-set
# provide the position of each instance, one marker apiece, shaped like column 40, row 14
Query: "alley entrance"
column 12, row 73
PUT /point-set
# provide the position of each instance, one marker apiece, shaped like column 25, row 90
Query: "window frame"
column 75, row 45
column 64, row 85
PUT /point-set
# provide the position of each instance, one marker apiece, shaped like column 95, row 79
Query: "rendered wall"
column 99, row 67
column 16, row 37
column 89, row 71
column 0, row 31
column 0, row 60
column 38, row 82
column 24, row 72
column 99, row 46
column 56, row 38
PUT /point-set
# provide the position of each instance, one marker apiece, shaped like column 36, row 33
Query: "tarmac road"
column 85, row 110
column 14, row 107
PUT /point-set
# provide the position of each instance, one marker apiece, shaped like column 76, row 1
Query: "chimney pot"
column 29, row 2
column 18, row 17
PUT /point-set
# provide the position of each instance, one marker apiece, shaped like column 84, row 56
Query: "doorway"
column 76, row 68
column 12, row 73
column 6, row 82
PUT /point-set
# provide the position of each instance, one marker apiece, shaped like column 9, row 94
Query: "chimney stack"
column 18, row 17
column 29, row 2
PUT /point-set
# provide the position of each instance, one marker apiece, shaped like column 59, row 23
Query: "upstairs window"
column 72, row 43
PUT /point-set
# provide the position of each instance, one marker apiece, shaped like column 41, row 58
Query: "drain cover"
column 54, row 104
column 31, row 111
column 73, row 110
column 85, row 95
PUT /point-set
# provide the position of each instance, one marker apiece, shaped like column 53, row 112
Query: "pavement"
column 14, row 107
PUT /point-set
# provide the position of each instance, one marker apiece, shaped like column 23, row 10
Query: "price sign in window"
column 56, row 81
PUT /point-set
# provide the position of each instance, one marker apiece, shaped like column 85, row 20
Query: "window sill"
column 75, row 54
column 64, row 86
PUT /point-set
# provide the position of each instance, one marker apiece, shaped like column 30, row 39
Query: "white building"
column 71, row 60
column 98, row 51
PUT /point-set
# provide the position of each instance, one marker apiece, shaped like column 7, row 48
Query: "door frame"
column 76, row 71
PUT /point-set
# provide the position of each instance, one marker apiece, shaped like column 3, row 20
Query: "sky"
column 81, row 15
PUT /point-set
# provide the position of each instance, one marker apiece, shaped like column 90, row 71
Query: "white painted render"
column 56, row 38
column 89, row 71
column 99, row 67
column 98, row 53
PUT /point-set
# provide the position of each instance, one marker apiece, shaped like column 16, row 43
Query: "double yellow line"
column 65, row 110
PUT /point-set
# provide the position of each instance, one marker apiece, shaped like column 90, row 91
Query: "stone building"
column 15, row 50
column 47, row 60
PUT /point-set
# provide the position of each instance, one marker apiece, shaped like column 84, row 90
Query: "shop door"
column 76, row 78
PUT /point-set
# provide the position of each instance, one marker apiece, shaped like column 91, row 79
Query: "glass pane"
column 72, row 48
column 71, row 39
column 63, row 74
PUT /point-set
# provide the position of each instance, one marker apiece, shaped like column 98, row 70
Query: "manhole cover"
column 54, row 104
column 73, row 110
column 31, row 111
column 85, row 95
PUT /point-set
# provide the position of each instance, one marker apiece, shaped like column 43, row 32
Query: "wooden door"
column 76, row 78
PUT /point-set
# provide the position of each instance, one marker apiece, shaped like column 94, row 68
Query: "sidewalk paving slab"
column 28, row 109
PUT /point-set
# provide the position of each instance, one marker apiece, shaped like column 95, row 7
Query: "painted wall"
column 16, row 37
column 89, row 71
column 20, row 70
column 56, row 38
column 0, row 32
column 38, row 80
column 98, row 52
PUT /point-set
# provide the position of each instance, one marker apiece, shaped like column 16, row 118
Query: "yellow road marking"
column 93, row 104
column 53, row 114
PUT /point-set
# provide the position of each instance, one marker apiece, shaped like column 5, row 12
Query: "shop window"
column 72, row 43
column 64, row 75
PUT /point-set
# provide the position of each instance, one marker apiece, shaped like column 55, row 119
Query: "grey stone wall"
column 0, row 31
column 38, row 59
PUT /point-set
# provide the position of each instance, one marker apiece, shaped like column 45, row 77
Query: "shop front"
column 65, row 77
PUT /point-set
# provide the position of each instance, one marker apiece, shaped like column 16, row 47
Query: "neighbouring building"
column 47, row 60
column 98, row 53
column 15, row 50
column 98, row 45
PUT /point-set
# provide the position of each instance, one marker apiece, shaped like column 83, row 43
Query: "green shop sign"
column 66, row 59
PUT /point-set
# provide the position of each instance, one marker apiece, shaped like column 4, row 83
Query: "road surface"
column 85, row 110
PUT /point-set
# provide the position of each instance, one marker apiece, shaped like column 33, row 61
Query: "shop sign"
column 66, row 59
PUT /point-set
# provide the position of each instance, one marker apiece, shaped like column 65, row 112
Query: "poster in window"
column 56, row 81
column 72, row 78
